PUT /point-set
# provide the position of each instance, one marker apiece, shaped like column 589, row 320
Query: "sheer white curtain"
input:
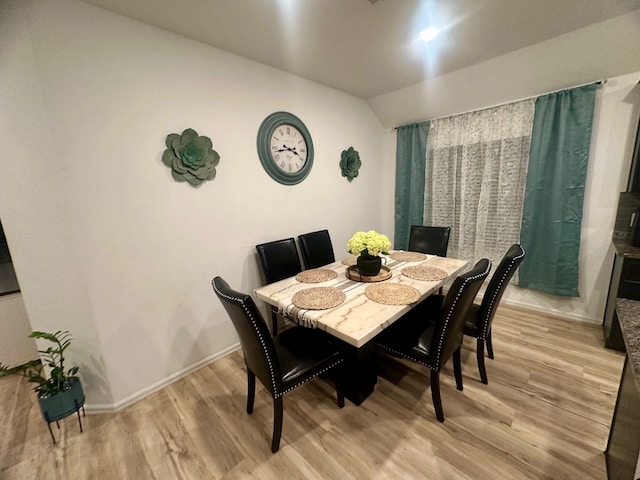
column 475, row 178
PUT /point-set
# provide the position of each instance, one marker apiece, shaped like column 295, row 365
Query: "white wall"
column 104, row 242
column 606, row 49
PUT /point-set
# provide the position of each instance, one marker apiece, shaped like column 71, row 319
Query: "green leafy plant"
column 53, row 357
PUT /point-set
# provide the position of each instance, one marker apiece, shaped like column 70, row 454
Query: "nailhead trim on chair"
column 485, row 272
column 310, row 378
column 410, row 357
column 404, row 355
column 264, row 346
column 495, row 294
column 276, row 393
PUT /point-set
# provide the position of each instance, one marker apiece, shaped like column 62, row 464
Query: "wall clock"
column 285, row 148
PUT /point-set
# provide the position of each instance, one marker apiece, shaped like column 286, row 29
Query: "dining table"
column 355, row 309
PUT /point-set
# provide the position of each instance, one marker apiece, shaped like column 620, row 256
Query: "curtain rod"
column 599, row 82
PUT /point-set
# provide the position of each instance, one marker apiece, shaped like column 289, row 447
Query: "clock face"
column 285, row 148
column 288, row 148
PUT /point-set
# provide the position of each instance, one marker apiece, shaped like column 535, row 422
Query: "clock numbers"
column 288, row 149
column 285, row 148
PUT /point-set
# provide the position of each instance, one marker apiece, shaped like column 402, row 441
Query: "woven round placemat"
column 349, row 261
column 316, row 275
column 424, row 272
column 408, row 256
column 392, row 294
column 318, row 298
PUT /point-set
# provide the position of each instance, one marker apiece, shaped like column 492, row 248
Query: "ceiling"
column 368, row 47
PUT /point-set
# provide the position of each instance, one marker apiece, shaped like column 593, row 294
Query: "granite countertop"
column 626, row 249
column 629, row 317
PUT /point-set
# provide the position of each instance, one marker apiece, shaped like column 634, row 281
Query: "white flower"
column 371, row 242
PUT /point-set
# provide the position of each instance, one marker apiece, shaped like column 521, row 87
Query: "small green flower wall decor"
column 350, row 163
column 190, row 157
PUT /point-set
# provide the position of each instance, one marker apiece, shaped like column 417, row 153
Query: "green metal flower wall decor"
column 350, row 163
column 190, row 157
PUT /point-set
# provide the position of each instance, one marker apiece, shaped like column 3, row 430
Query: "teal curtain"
column 554, row 194
column 411, row 152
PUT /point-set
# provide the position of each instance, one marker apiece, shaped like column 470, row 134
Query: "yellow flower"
column 371, row 243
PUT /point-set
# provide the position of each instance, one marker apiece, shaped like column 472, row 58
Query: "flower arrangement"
column 368, row 243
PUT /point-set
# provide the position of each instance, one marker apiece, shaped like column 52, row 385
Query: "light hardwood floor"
column 544, row 415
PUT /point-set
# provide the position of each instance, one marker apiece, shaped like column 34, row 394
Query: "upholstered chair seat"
column 480, row 316
column 432, row 332
column 280, row 363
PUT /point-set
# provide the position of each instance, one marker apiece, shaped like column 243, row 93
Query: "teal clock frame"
column 268, row 126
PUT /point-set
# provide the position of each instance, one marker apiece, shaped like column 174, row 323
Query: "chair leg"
column 277, row 424
column 274, row 322
column 489, row 345
column 340, row 381
column 457, row 368
column 480, row 355
column 435, row 394
column 251, row 390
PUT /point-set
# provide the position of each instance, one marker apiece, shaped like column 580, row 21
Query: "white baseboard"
column 145, row 392
column 554, row 312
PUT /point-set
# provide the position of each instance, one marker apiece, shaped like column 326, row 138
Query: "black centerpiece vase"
column 369, row 265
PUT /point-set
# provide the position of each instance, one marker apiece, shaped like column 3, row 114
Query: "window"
column 475, row 178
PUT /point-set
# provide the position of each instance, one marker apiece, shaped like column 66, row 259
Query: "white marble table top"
column 358, row 319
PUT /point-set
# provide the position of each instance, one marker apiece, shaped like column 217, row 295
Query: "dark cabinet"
column 625, row 283
column 630, row 279
column 624, row 442
column 634, row 174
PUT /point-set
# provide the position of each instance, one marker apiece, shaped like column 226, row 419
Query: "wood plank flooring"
column 544, row 415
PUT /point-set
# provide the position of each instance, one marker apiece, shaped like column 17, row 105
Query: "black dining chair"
column 428, row 239
column 281, row 363
column 479, row 317
column 316, row 249
column 279, row 260
column 432, row 332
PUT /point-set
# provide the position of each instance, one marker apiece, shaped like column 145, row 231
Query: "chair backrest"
column 255, row 339
column 449, row 329
column 279, row 259
column 316, row 249
column 497, row 285
column 431, row 240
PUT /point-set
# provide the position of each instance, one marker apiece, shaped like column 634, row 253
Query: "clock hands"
column 285, row 148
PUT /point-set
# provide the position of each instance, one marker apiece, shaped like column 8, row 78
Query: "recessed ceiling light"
column 428, row 34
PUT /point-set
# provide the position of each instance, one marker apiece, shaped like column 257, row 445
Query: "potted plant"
column 368, row 246
column 60, row 394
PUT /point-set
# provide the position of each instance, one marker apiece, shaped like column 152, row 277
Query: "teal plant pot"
column 64, row 403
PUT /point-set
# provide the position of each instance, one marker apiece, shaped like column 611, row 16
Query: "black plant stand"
column 57, row 420
column 63, row 404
